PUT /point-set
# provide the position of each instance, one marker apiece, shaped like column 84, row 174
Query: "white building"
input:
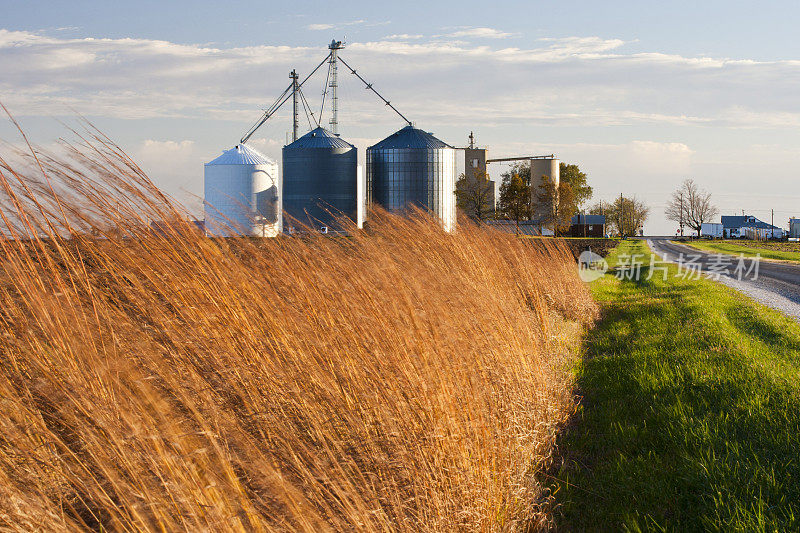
column 749, row 227
column 712, row 230
column 794, row 228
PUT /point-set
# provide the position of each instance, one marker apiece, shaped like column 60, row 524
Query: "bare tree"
column 690, row 206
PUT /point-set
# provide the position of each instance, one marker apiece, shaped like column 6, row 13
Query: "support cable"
column 307, row 109
column 325, row 92
column 371, row 88
column 274, row 108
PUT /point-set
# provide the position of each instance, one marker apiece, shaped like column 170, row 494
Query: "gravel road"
column 777, row 285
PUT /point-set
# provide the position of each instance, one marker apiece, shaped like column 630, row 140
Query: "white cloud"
column 267, row 146
column 670, row 149
column 165, row 156
column 404, row 36
column 481, row 33
column 328, row 26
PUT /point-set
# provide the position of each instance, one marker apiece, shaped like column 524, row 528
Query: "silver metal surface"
column 319, row 179
column 242, row 194
column 413, row 168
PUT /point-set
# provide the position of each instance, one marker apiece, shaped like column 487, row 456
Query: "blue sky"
column 640, row 94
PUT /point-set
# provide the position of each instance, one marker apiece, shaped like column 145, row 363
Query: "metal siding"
column 242, row 199
column 423, row 176
column 794, row 228
column 319, row 183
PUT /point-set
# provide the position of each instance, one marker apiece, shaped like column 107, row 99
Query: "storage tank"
column 320, row 180
column 550, row 167
column 242, row 194
column 412, row 167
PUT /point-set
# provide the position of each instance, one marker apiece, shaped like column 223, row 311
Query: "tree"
column 515, row 198
column 562, row 200
column 690, row 206
column 573, row 192
column 624, row 216
column 474, row 196
column 581, row 192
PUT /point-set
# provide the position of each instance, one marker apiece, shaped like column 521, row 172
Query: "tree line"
column 520, row 195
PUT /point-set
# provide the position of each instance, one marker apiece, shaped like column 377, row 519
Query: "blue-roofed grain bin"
column 413, row 168
column 242, row 194
column 319, row 180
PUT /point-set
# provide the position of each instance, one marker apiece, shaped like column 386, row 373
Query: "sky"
column 641, row 95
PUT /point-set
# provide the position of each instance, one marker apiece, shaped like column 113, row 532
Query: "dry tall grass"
column 403, row 379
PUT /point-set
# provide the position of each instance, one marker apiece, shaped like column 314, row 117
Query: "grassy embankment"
column 690, row 416
column 399, row 380
column 782, row 251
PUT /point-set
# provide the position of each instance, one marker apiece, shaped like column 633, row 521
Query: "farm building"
column 587, row 226
column 712, row 230
column 749, row 227
column 794, row 228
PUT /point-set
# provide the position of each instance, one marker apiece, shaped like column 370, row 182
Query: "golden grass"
column 402, row 379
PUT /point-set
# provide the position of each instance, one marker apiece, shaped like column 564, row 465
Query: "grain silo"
column 412, row 167
column 242, row 194
column 319, row 179
column 544, row 166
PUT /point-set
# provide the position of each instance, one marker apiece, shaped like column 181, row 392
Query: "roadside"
column 776, row 285
column 690, row 413
column 777, row 251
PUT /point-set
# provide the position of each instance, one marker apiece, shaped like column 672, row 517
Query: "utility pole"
column 605, row 226
column 622, row 216
column 681, row 222
column 293, row 77
column 772, row 229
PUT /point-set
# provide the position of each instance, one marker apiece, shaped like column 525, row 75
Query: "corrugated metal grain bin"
column 242, row 195
column 412, row 167
column 319, row 179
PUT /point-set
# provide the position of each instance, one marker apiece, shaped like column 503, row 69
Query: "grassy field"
column 402, row 379
column 690, row 413
column 784, row 251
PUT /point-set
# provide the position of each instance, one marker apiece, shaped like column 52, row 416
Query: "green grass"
column 690, row 412
column 725, row 247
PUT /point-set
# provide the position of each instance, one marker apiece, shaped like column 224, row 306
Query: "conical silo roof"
column 410, row 137
column 242, row 155
column 320, row 138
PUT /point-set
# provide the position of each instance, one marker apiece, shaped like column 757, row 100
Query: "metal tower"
column 293, row 76
column 334, row 47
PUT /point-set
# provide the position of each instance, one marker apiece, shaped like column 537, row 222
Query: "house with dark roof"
column 587, row 226
column 749, row 227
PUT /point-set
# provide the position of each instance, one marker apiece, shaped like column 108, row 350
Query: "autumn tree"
column 560, row 204
column 577, row 181
column 515, row 198
column 573, row 191
column 474, row 195
column 625, row 216
column 690, row 206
